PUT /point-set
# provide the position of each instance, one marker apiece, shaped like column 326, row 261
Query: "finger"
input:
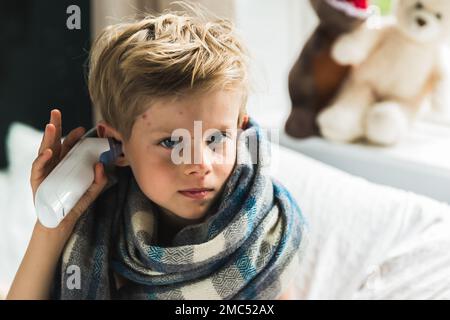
column 53, row 144
column 39, row 169
column 47, row 138
column 41, row 160
column 100, row 176
column 55, row 120
column 90, row 195
column 71, row 139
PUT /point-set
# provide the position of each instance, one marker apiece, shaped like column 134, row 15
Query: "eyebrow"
column 165, row 131
column 159, row 131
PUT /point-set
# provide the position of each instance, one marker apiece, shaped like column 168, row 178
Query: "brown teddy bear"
column 316, row 78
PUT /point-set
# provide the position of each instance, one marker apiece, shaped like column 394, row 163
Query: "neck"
column 170, row 224
column 170, row 219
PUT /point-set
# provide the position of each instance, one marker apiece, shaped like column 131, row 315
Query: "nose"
column 202, row 164
column 421, row 22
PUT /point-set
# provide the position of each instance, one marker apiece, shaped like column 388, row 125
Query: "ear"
column 244, row 122
column 104, row 130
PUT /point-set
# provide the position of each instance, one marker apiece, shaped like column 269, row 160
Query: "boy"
column 213, row 225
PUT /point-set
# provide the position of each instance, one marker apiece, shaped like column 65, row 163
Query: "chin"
column 197, row 215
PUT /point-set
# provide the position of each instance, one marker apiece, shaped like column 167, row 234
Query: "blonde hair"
column 131, row 64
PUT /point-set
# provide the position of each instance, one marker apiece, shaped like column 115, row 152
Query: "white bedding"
column 366, row 241
column 17, row 215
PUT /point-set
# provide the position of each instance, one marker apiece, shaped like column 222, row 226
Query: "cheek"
column 155, row 170
column 156, row 182
column 223, row 171
column 154, row 174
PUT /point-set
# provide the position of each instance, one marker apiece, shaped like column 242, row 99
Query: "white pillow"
column 3, row 197
column 3, row 188
column 22, row 144
column 17, row 215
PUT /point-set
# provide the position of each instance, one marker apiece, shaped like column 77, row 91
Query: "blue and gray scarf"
column 249, row 248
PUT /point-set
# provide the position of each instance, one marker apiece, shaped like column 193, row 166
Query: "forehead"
column 218, row 109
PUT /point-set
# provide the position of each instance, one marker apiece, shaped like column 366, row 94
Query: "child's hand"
column 51, row 152
column 36, row 272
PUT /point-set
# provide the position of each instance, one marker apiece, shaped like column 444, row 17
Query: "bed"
column 366, row 241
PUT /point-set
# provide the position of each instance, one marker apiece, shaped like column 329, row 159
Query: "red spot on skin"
column 144, row 118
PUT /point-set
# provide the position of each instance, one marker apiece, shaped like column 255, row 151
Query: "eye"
column 217, row 138
column 439, row 16
column 419, row 6
column 169, row 143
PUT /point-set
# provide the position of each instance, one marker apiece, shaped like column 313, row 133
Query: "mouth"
column 197, row 193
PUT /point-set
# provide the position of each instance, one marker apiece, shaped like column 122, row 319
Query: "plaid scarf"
column 249, row 248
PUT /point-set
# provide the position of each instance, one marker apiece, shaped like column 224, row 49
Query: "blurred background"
column 42, row 62
column 41, row 65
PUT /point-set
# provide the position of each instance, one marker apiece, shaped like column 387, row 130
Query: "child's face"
column 149, row 151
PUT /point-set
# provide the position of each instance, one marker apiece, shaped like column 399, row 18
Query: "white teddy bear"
column 395, row 67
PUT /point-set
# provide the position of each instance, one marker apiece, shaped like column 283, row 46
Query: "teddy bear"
column 315, row 77
column 396, row 66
